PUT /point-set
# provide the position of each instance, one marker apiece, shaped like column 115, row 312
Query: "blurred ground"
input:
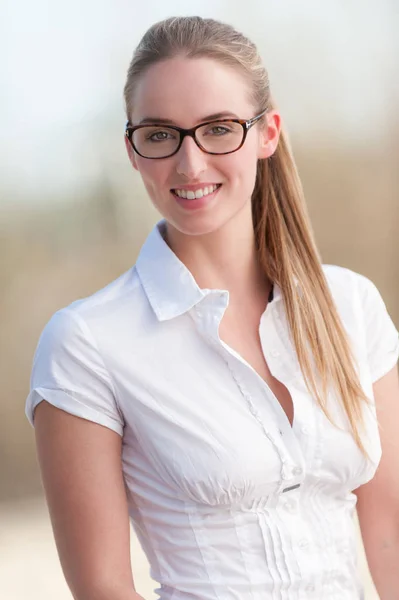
column 29, row 566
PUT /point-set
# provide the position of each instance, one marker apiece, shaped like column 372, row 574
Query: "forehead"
column 185, row 90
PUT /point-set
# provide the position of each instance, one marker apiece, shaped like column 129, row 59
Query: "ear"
column 269, row 134
column 131, row 153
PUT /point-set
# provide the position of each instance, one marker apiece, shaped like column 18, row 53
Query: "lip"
column 196, row 203
column 193, row 187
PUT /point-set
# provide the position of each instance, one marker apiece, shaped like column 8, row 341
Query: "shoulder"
column 341, row 278
column 350, row 287
column 365, row 317
column 355, row 295
column 70, row 367
column 95, row 320
column 121, row 299
column 110, row 299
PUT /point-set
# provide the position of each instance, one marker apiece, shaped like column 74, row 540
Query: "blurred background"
column 73, row 213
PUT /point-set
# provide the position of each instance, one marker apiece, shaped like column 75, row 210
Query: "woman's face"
column 187, row 92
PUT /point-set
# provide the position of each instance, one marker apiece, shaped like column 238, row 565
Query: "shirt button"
column 303, row 543
column 290, row 506
column 275, row 353
column 297, row 471
column 305, row 430
column 310, row 588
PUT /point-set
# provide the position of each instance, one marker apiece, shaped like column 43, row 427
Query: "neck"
column 224, row 259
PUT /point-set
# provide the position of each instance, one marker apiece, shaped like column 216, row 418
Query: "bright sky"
column 64, row 63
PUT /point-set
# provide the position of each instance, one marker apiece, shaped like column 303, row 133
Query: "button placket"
column 256, row 414
column 278, row 363
column 276, row 441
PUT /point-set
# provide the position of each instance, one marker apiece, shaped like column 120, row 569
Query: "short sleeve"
column 69, row 373
column 382, row 337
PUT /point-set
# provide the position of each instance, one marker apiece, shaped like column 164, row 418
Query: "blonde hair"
column 283, row 234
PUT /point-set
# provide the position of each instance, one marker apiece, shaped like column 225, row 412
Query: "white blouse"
column 227, row 499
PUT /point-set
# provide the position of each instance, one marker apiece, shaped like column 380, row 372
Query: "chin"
column 194, row 226
column 199, row 225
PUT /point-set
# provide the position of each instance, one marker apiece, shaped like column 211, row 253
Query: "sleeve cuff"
column 384, row 368
column 61, row 399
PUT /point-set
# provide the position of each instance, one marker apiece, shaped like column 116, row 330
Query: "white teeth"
column 200, row 193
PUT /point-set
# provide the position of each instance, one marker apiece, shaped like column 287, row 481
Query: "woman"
column 223, row 393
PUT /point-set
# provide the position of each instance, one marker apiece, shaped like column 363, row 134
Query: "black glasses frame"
column 246, row 126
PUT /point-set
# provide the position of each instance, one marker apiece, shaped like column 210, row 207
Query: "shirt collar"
column 170, row 287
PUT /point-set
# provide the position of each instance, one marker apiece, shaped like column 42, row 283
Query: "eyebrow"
column 215, row 116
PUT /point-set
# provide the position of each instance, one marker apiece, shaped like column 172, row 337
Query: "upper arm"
column 80, row 463
column 380, row 496
column 79, row 430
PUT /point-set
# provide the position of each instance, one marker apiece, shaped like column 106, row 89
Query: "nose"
column 191, row 160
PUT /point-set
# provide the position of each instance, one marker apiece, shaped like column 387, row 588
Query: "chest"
column 201, row 419
column 243, row 337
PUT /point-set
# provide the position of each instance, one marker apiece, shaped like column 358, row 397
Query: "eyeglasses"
column 214, row 137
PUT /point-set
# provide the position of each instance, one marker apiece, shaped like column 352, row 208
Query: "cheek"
column 153, row 173
column 241, row 167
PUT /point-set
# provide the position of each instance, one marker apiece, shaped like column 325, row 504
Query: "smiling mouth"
column 199, row 193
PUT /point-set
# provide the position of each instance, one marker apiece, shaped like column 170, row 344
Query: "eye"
column 218, row 130
column 159, row 136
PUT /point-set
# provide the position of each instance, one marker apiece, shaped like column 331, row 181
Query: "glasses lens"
column 154, row 141
column 219, row 138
